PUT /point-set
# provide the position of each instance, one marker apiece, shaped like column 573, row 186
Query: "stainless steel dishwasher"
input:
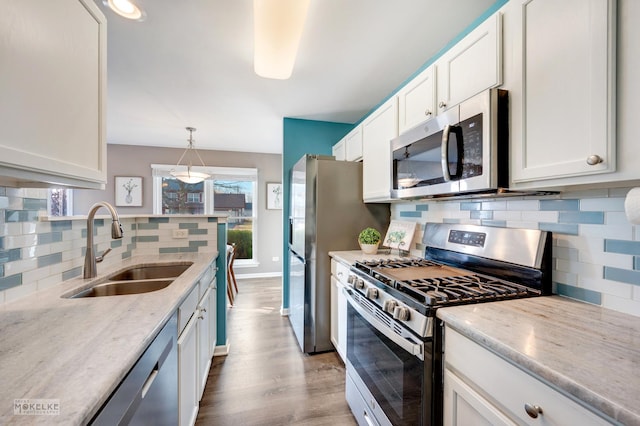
column 148, row 395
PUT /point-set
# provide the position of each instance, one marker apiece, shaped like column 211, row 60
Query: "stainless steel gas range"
column 394, row 340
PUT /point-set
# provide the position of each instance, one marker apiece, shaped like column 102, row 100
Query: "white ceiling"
column 190, row 63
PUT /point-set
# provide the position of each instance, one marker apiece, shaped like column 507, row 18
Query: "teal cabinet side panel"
column 221, row 278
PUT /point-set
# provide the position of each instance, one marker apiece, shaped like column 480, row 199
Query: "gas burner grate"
column 396, row 263
column 462, row 289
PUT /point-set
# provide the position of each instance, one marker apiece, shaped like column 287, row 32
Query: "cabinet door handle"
column 428, row 113
column 442, row 104
column 367, row 419
column 533, row 410
column 149, row 381
column 592, row 160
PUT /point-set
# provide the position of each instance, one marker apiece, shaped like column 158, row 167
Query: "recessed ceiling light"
column 126, row 9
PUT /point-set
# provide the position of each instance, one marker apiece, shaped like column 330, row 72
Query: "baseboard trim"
column 259, row 275
column 284, row 312
column 222, row 350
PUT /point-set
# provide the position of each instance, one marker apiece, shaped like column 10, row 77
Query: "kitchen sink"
column 123, row 287
column 135, row 280
column 150, row 272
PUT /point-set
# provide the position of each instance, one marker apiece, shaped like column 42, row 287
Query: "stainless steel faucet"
column 90, row 259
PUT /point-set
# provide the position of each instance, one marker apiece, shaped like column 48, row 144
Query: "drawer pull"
column 533, row 410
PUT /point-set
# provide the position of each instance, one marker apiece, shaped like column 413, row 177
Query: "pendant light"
column 188, row 175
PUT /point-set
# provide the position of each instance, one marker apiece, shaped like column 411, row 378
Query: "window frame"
column 160, row 171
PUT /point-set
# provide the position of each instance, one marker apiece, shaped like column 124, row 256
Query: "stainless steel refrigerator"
column 327, row 214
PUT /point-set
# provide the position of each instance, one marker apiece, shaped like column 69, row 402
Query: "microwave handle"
column 444, row 154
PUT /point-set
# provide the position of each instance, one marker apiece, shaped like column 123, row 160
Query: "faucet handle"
column 104, row 253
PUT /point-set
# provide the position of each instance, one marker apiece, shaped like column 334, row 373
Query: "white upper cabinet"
column 377, row 131
column 53, row 85
column 562, row 86
column 353, row 142
column 416, row 100
column 338, row 150
column 472, row 65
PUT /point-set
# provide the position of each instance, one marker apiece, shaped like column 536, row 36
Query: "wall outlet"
column 275, row 259
column 180, row 233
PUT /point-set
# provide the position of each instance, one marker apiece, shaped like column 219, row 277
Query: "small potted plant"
column 369, row 239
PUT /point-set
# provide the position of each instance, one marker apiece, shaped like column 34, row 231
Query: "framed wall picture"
column 128, row 191
column 274, row 196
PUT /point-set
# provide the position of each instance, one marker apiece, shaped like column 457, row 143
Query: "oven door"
column 389, row 366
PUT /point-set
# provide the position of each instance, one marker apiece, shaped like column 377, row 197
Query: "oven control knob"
column 359, row 284
column 389, row 305
column 372, row 293
column 351, row 279
column 401, row 313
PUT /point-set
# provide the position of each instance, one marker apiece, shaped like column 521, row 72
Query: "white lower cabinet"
column 481, row 388
column 203, row 326
column 187, row 373
column 339, row 275
column 196, row 344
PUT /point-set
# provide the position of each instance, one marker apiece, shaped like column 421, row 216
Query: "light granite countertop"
column 588, row 352
column 78, row 350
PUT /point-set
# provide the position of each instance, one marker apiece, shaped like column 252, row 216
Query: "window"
column 60, row 202
column 230, row 190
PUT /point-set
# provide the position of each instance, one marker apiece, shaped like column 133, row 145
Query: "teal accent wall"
column 221, row 280
column 302, row 137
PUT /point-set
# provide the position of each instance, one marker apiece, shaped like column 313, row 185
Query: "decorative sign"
column 400, row 235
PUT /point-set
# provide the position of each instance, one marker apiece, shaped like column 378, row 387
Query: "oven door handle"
column 415, row 349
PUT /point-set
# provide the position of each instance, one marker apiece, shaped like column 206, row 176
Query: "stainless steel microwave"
column 462, row 151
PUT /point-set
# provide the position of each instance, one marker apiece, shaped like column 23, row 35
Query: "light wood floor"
column 266, row 379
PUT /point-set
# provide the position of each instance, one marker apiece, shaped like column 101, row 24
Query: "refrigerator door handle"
column 293, row 253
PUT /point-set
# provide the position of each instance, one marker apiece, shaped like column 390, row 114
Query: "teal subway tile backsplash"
column 61, row 225
column 34, row 204
column 169, row 250
column 187, row 225
column 49, row 237
column 49, row 259
column 622, row 275
column 559, row 205
column 21, row 215
column 585, row 295
column 158, row 220
column 116, row 243
column 481, row 214
column 471, row 206
column 212, row 219
column 559, row 228
column 198, row 231
column 411, row 214
column 151, row 225
column 581, row 217
column 622, row 246
column 10, row 281
column 146, row 239
column 72, row 273
column 196, row 244
column 596, row 250
column 10, row 255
